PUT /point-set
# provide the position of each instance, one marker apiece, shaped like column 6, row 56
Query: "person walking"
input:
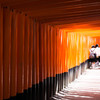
column 92, row 57
column 97, row 52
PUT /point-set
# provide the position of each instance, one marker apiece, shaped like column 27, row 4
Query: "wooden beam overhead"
column 92, row 15
column 43, row 14
column 95, row 24
column 57, row 5
column 8, row 2
column 57, row 12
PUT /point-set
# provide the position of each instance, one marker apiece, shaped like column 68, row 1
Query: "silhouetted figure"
column 97, row 51
column 92, row 57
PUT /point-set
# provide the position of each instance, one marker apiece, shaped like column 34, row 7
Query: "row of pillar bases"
column 49, row 87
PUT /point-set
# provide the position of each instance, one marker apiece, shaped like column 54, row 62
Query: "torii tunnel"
column 44, row 45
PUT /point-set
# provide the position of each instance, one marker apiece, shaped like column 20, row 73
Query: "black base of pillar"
column 41, row 94
column 51, row 86
column 54, row 85
column 70, row 75
column 65, row 79
column 45, row 90
column 48, row 88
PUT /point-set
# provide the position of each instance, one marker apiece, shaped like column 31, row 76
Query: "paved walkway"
column 86, row 87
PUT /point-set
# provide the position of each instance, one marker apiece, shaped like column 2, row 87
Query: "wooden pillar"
column 54, row 46
column 57, row 52
column 34, row 54
column 31, row 53
column 52, row 58
column 49, row 49
column 7, row 51
column 14, row 54
column 1, row 53
column 41, row 46
column 45, row 59
column 52, row 62
column 20, row 53
column 34, row 96
column 41, row 61
column 26, row 52
column 58, row 60
column 37, row 54
column 48, row 60
column 45, row 51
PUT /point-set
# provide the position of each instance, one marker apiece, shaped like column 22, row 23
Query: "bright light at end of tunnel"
column 87, row 29
column 86, row 32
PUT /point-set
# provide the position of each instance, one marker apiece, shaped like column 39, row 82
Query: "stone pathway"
column 86, row 87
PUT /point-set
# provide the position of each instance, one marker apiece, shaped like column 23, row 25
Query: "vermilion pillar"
column 13, row 54
column 1, row 53
column 41, row 61
column 57, row 52
column 48, row 60
column 26, row 52
column 30, row 53
column 41, row 51
column 52, row 58
column 58, row 60
column 20, row 52
column 54, row 46
column 34, row 54
column 7, row 51
column 45, row 51
column 52, row 61
column 49, row 49
column 37, row 53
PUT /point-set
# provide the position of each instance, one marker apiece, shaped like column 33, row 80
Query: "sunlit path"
column 86, row 87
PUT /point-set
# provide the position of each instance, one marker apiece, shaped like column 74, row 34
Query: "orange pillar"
column 14, row 54
column 60, row 52
column 31, row 53
column 37, row 54
column 48, row 60
column 7, row 51
column 54, row 64
column 66, row 52
column 45, row 51
column 49, row 53
column 41, row 68
column 20, row 53
column 52, row 59
column 26, row 52
column 41, row 61
column 58, row 60
column 57, row 51
column 34, row 54
column 54, row 46
column 1, row 53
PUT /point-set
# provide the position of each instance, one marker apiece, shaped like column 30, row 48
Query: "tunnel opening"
column 44, row 45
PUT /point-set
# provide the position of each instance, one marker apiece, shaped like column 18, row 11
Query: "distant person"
column 97, row 51
column 92, row 57
column 92, row 52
